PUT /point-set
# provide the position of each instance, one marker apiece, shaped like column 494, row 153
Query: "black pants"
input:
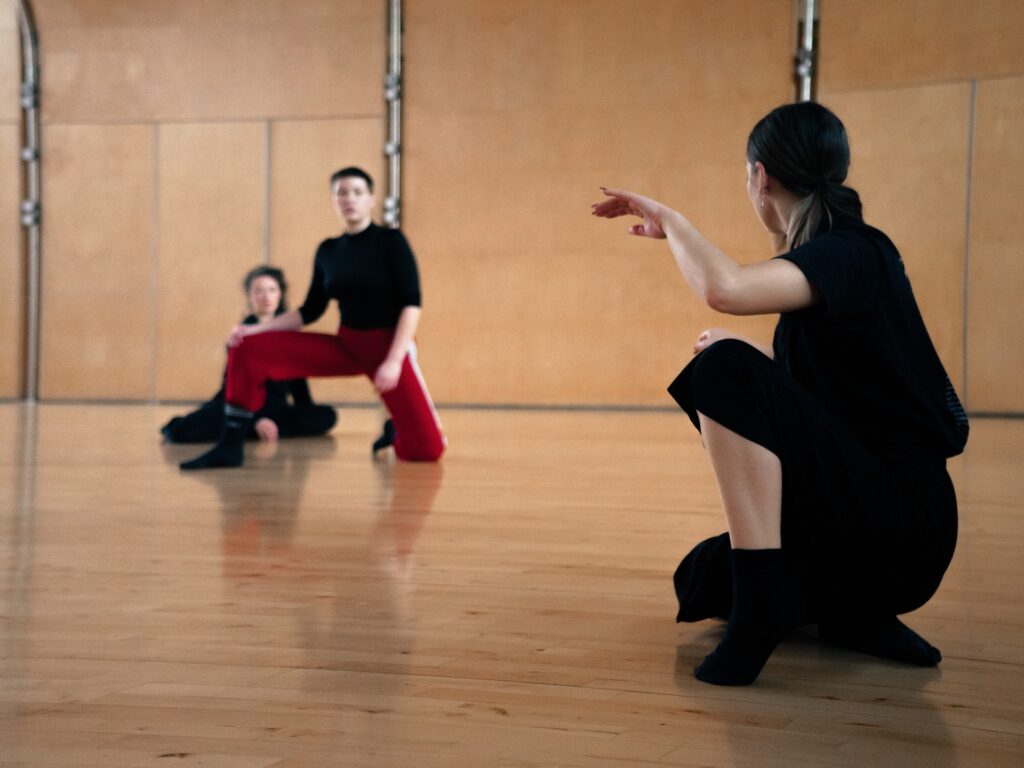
column 868, row 534
column 204, row 424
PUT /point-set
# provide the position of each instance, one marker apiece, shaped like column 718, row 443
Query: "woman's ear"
column 761, row 177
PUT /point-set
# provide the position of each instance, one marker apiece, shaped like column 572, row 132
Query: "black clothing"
column 299, row 418
column 863, row 351
column 855, row 408
column 229, row 451
column 372, row 274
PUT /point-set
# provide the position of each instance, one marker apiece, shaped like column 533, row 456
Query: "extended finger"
column 622, row 194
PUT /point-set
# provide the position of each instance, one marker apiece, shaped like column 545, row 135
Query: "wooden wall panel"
column 12, row 273
column 996, row 256
column 97, row 326
column 212, row 178
column 515, row 113
column 879, row 43
column 909, row 149
column 195, row 59
column 303, row 156
column 875, row 56
column 209, row 79
column 10, row 63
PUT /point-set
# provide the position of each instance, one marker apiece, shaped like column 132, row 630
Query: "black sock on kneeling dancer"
column 229, row 450
column 766, row 606
column 386, row 439
column 886, row 637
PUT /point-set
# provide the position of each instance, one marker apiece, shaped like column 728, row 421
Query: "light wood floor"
column 509, row 607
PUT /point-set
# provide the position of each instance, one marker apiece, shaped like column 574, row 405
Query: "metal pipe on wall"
column 393, row 96
column 805, row 69
column 30, row 205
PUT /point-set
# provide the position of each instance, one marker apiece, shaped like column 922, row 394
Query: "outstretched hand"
column 623, row 203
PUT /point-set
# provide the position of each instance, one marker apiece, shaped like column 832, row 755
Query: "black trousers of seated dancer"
column 868, row 534
column 205, row 424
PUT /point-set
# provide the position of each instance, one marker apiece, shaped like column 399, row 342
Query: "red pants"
column 283, row 355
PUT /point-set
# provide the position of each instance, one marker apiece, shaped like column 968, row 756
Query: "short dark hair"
column 275, row 274
column 352, row 171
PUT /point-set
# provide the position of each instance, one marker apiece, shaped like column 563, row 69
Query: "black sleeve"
column 845, row 272
column 316, row 297
column 406, row 275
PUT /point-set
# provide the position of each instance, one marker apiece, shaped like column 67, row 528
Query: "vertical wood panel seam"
column 154, row 280
column 266, row 190
column 971, row 107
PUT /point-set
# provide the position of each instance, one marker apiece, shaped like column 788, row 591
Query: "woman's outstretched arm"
column 726, row 286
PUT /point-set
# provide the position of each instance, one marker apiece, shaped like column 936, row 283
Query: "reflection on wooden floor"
column 511, row 606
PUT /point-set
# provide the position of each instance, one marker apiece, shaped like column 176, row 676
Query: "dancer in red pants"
column 371, row 272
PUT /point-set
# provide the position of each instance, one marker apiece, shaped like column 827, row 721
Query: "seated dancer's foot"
column 888, row 638
column 766, row 606
column 703, row 581
column 167, row 430
column 229, row 450
column 386, row 439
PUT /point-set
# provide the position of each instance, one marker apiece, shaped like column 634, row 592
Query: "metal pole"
column 393, row 96
column 805, row 70
column 30, row 205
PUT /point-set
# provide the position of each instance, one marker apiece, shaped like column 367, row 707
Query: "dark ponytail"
column 804, row 147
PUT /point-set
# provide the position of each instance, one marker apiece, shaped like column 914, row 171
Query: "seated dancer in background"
column 266, row 292
column 830, row 447
column 372, row 274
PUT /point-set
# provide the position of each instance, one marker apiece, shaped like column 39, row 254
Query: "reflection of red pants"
column 283, row 355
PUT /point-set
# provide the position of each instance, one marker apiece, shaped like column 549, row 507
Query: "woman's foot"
column 167, row 430
column 386, row 439
column 703, row 581
column 218, row 456
column 887, row 638
column 229, row 450
column 766, row 606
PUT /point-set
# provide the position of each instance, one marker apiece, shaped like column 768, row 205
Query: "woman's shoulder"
column 326, row 248
column 855, row 238
column 391, row 234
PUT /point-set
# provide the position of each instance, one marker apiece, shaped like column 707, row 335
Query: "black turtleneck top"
column 372, row 274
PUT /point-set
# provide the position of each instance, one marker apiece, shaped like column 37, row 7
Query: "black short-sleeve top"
column 863, row 349
column 372, row 275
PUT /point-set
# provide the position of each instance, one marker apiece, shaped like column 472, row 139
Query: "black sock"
column 703, row 581
column 229, row 450
column 168, row 429
column 386, row 439
column 766, row 605
column 887, row 637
